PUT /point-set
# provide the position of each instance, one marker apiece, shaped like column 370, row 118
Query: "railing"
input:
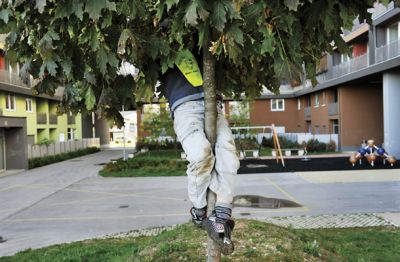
column 350, row 66
column 41, row 118
column 333, row 109
column 53, row 119
column 71, row 120
column 307, row 112
column 387, row 52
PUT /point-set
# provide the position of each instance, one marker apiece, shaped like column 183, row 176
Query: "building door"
column 2, row 152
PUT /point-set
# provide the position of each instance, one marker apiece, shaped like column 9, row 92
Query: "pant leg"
column 189, row 128
column 226, row 163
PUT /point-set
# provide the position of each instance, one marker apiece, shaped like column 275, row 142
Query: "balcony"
column 387, row 52
column 71, row 120
column 12, row 78
column 333, row 109
column 41, row 118
column 307, row 112
column 350, row 66
column 53, row 119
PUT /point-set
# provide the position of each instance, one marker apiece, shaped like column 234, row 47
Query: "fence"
column 295, row 137
column 387, row 51
column 61, row 147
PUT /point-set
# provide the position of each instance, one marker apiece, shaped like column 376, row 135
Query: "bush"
column 152, row 144
column 313, row 145
column 46, row 160
column 152, row 163
column 283, row 142
column 247, row 143
column 45, row 141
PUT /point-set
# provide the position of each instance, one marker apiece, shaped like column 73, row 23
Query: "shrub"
column 331, row 146
column 283, row 142
column 152, row 144
column 45, row 141
column 46, row 160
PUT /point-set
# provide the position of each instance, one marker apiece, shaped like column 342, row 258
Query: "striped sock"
column 222, row 214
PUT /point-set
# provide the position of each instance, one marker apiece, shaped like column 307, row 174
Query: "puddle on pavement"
column 262, row 202
column 2, row 239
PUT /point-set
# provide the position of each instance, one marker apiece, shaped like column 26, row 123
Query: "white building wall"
column 391, row 113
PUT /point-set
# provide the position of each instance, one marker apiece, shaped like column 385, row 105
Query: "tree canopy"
column 80, row 44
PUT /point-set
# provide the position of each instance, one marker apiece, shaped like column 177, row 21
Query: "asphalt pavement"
column 68, row 201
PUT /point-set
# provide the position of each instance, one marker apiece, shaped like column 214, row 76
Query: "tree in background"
column 157, row 122
column 246, row 44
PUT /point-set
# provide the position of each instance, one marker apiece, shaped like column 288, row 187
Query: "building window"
column 277, row 104
column 28, row 105
column 335, row 126
column 10, row 102
column 71, row 133
column 323, row 99
column 309, row 126
column 298, row 103
column 393, row 33
column 316, row 100
column 308, row 101
column 316, row 128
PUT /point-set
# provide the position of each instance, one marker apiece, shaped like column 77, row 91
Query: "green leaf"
column 40, row 4
column 94, row 39
column 292, row 4
column 90, row 99
column 4, row 15
column 94, row 8
column 218, row 14
column 50, row 66
column 67, row 67
column 170, row 3
column 195, row 10
column 268, row 42
column 90, row 78
column 69, row 8
column 105, row 57
column 191, row 13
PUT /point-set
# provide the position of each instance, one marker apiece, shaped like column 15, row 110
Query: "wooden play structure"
column 256, row 152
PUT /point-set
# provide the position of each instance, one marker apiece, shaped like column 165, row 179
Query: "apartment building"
column 26, row 118
column 357, row 97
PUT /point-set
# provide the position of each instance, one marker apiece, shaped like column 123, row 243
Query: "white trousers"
column 206, row 170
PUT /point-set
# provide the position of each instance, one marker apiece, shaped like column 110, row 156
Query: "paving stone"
column 330, row 221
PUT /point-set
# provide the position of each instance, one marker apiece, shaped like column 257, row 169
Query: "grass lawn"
column 254, row 241
column 151, row 163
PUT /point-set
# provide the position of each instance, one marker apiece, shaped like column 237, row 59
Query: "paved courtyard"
column 67, row 201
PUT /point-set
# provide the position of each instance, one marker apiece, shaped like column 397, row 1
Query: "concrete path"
column 67, row 201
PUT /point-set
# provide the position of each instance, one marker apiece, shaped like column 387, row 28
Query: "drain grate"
column 124, row 206
column 2, row 240
column 76, row 160
column 262, row 202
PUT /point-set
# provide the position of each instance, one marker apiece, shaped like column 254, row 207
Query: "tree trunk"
column 210, row 124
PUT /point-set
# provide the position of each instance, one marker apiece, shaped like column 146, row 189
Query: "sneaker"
column 219, row 228
column 198, row 215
